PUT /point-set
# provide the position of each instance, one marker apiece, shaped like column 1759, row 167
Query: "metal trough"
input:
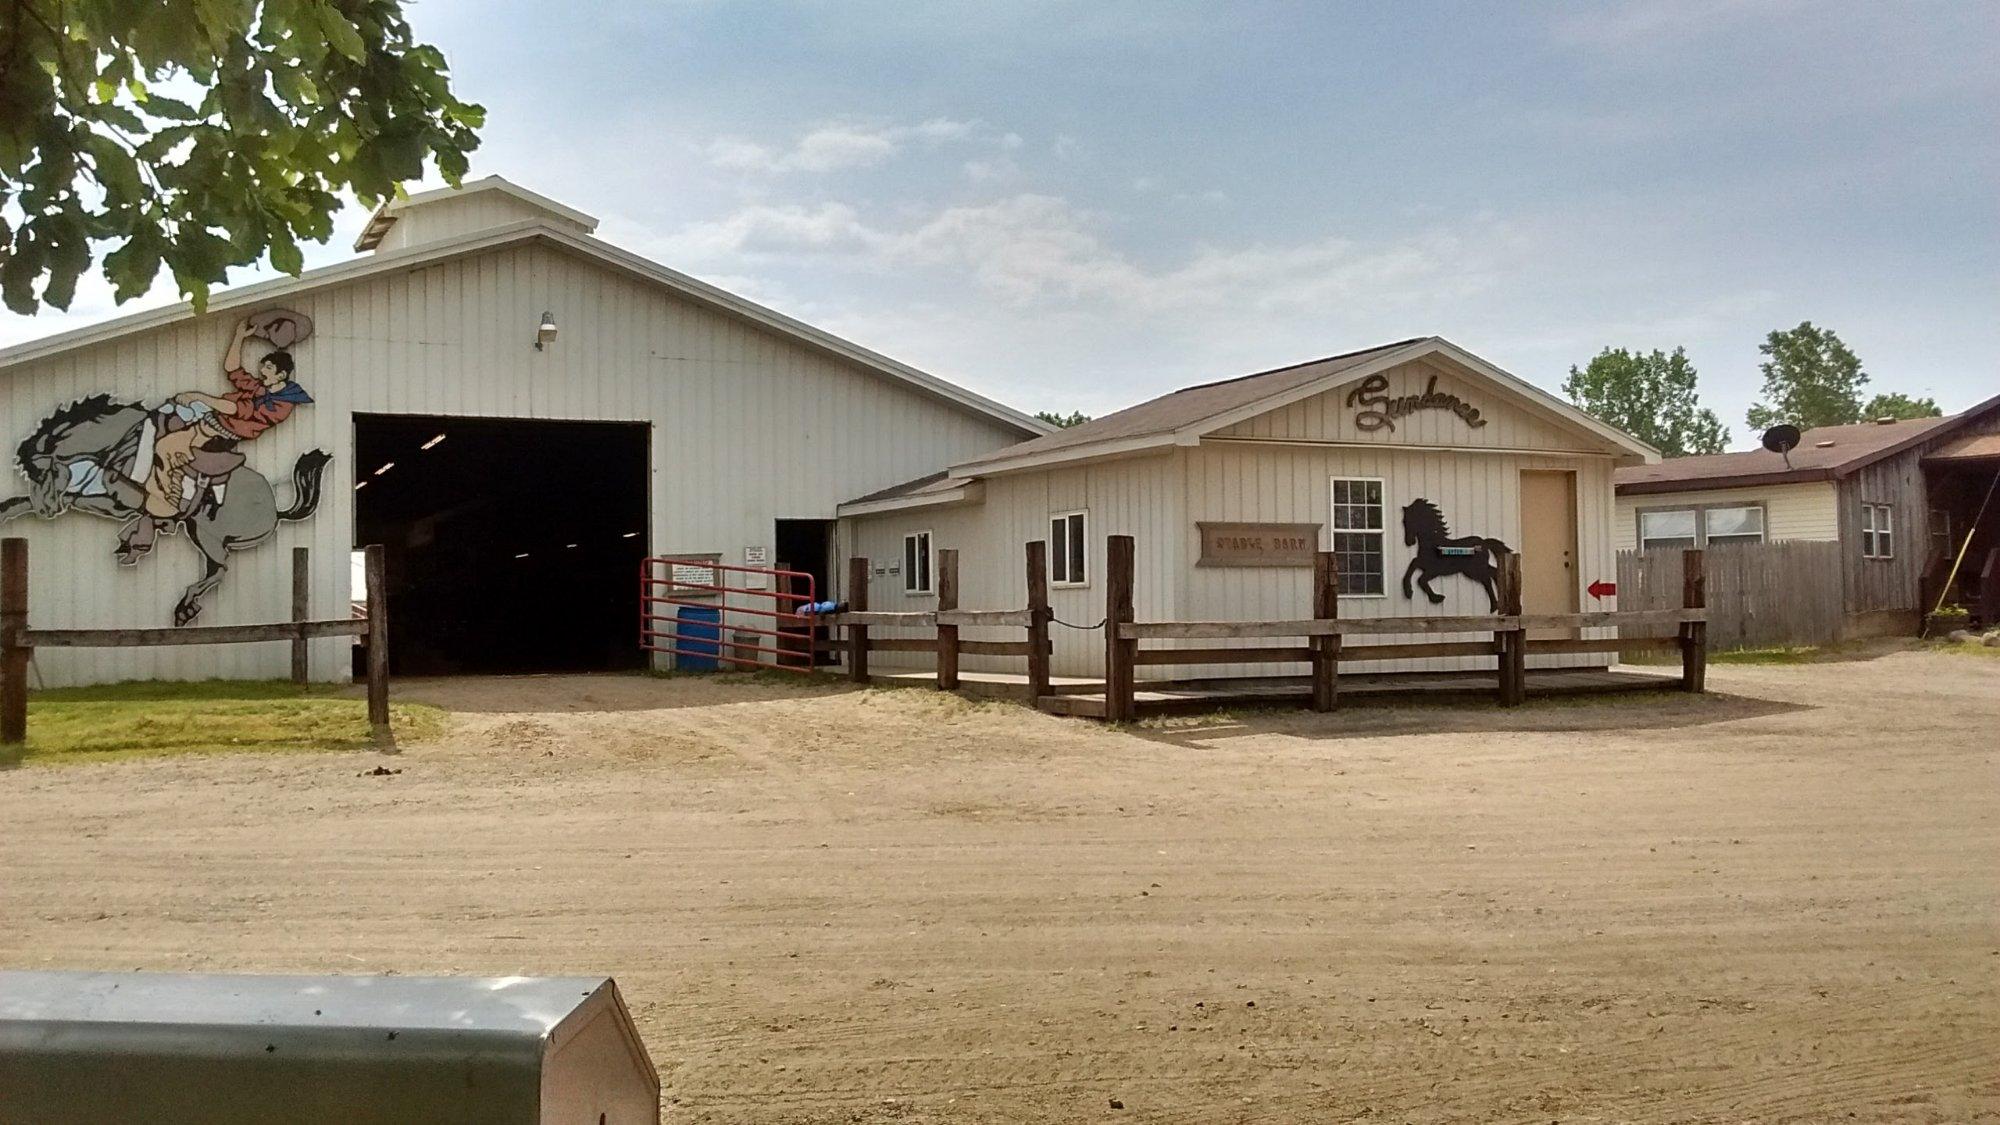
column 235, row 1050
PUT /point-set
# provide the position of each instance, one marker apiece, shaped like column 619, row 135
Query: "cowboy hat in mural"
column 1439, row 554
column 179, row 465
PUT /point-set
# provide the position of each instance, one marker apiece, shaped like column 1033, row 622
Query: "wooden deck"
column 1183, row 698
column 1076, row 695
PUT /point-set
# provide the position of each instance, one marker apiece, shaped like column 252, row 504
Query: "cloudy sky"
column 1075, row 206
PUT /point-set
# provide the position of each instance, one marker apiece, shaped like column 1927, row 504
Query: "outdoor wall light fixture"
column 547, row 332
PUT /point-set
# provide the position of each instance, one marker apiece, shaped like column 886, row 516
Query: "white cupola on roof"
column 433, row 216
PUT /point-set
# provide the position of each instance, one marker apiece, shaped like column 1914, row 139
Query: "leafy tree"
column 1810, row 379
column 204, row 134
column 1650, row 396
column 1895, row 404
column 1062, row 421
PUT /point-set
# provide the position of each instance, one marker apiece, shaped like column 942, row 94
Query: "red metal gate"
column 708, row 614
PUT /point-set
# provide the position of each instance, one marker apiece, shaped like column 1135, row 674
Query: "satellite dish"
column 1782, row 439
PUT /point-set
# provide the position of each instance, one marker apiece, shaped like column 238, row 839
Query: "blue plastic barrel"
column 698, row 638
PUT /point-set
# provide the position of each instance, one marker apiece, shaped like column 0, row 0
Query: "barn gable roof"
column 563, row 236
column 1183, row 416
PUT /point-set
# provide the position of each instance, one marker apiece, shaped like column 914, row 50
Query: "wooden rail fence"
column 1325, row 634
column 857, row 619
column 18, row 641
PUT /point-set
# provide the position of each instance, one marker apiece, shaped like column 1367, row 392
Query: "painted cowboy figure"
column 197, row 434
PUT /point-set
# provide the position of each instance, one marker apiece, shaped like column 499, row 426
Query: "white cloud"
column 835, row 146
column 983, row 171
column 767, row 230
column 1040, row 250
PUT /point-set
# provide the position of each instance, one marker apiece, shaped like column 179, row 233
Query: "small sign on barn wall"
column 756, row 556
column 1257, row 544
column 690, row 577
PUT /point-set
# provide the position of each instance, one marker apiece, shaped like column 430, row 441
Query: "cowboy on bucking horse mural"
column 177, row 466
column 203, row 432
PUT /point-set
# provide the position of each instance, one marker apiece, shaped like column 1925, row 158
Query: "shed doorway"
column 1548, row 546
column 510, row 546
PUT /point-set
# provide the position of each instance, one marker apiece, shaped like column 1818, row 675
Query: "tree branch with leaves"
column 197, row 135
column 1650, row 396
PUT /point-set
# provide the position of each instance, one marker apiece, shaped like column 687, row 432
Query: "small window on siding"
column 1358, row 535
column 1069, row 551
column 1878, row 532
column 917, row 563
column 1669, row 530
column 1733, row 525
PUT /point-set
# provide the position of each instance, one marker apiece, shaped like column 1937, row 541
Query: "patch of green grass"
column 70, row 725
column 1785, row 654
column 1961, row 649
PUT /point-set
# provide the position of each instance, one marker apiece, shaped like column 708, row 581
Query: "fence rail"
column 1325, row 634
column 1759, row 594
column 947, row 619
column 18, row 641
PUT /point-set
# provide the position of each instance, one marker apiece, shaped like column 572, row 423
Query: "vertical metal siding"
column 746, row 426
column 1139, row 497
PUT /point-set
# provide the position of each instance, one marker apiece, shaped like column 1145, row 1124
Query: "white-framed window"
column 1672, row 529
column 917, row 563
column 1878, row 532
column 1677, row 529
column 1743, row 523
column 1069, row 549
column 1358, row 533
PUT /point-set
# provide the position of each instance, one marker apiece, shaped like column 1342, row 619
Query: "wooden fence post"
column 1513, row 659
column 14, row 652
column 1326, row 649
column 1038, row 622
column 1119, row 654
column 1694, row 634
column 376, row 575
column 947, row 635
column 301, row 611
column 857, row 635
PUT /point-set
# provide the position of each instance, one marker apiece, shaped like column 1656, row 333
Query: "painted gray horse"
column 81, row 459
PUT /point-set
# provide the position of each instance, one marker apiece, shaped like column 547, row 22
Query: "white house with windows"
column 1228, row 489
column 1902, row 495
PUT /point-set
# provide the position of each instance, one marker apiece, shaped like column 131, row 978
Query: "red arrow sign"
column 1603, row 589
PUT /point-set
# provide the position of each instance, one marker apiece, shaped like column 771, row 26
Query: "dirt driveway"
column 1776, row 903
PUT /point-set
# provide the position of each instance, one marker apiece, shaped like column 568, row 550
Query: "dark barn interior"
column 510, row 546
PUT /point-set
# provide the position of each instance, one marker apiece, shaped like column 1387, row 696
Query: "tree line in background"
column 1811, row 379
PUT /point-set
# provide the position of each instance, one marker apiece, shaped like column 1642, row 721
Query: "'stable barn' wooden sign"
column 1258, row 544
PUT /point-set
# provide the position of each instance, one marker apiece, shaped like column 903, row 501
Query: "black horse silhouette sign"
column 176, row 466
column 1438, row 554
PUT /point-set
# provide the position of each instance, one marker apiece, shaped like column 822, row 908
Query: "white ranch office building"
column 518, row 410
column 1228, row 488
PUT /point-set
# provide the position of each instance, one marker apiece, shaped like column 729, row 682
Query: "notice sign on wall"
column 1258, row 544
column 689, row 572
column 756, row 556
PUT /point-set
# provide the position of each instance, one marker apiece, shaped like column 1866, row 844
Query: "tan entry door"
column 1548, row 545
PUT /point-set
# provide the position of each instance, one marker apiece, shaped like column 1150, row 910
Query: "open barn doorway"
column 510, row 546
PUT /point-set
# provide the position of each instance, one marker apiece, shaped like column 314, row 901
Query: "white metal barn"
column 1228, row 489
column 519, row 411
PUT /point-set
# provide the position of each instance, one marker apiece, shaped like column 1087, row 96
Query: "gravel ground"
column 1772, row 903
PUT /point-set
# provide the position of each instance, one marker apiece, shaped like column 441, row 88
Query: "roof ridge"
column 1305, row 363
